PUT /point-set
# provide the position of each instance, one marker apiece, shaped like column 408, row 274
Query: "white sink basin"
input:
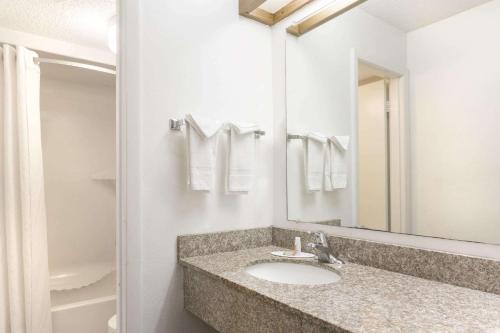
column 292, row 273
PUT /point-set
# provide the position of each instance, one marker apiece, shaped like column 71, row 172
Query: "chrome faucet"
column 320, row 245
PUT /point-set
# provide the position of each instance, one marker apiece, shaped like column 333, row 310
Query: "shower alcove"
column 78, row 141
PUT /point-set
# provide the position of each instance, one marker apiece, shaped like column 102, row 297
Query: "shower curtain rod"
column 75, row 64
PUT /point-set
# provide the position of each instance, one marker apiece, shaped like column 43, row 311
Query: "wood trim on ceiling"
column 251, row 10
column 261, row 16
column 322, row 16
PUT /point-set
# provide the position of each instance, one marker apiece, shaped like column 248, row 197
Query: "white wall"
column 78, row 138
column 454, row 80
column 199, row 57
column 319, row 99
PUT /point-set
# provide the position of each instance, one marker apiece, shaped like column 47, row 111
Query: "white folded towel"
column 314, row 160
column 201, row 133
column 242, row 128
column 338, row 146
column 240, row 170
column 206, row 127
column 328, row 171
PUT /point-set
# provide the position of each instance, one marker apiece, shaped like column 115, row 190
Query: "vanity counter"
column 366, row 299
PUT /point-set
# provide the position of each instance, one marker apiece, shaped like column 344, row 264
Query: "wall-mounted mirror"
column 393, row 119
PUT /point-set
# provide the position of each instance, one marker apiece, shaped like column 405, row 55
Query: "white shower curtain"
column 24, row 275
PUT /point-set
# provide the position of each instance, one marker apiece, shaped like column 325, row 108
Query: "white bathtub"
column 86, row 309
column 84, row 317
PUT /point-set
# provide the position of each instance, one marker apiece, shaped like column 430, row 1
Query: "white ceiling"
column 83, row 22
column 272, row 6
column 408, row 15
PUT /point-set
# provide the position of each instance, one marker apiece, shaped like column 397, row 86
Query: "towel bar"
column 176, row 125
column 295, row 137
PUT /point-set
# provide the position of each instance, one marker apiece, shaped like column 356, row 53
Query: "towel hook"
column 176, row 124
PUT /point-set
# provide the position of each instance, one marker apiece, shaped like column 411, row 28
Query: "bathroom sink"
column 292, row 273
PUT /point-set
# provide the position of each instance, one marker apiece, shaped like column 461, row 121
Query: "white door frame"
column 399, row 148
column 128, row 227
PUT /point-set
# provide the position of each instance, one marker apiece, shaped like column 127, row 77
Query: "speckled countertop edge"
column 190, row 263
column 355, row 291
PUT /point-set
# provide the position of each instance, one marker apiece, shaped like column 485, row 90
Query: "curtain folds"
column 24, row 274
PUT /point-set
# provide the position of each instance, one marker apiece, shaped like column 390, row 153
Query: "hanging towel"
column 314, row 161
column 206, row 127
column 328, row 171
column 201, row 133
column 243, row 128
column 338, row 146
column 240, row 169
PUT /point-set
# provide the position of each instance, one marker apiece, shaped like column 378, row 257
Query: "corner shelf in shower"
column 104, row 175
column 74, row 277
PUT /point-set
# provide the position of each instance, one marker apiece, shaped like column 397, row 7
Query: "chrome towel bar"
column 176, row 125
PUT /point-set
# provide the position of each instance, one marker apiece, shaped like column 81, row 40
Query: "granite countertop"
column 366, row 299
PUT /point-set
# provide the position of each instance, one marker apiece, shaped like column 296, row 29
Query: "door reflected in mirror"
column 393, row 119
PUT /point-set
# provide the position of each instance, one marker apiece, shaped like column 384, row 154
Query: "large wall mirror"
column 393, row 119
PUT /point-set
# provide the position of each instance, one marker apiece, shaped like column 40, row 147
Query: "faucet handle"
column 319, row 238
column 335, row 260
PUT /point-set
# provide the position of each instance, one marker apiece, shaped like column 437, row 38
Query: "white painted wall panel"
column 454, row 78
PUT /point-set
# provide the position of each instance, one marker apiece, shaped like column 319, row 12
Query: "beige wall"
column 372, row 158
